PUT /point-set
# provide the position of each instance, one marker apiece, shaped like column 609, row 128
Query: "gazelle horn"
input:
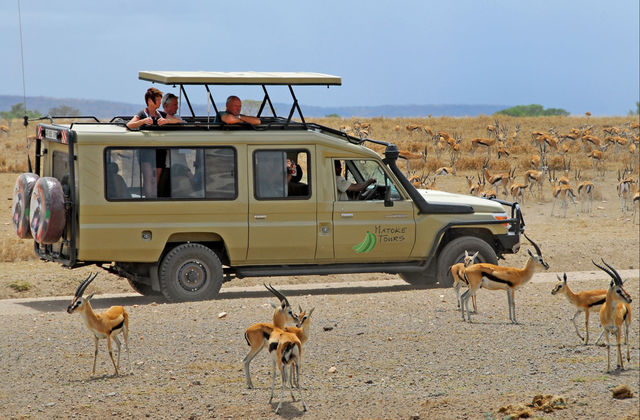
column 85, row 283
column 534, row 244
column 277, row 294
column 619, row 282
column 606, row 271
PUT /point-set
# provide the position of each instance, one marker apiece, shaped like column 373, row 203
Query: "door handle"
column 260, row 216
column 396, row 216
column 346, row 214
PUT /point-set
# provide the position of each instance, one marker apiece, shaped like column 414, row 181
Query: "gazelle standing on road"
column 615, row 313
column 108, row 324
column 584, row 301
column 457, row 272
column 495, row 277
column 257, row 335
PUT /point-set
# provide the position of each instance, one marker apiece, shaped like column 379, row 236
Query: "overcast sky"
column 577, row 55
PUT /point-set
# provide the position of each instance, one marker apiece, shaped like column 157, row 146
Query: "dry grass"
column 14, row 249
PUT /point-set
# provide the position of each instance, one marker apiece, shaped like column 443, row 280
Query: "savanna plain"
column 378, row 348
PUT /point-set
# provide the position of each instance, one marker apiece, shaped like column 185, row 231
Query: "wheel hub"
column 192, row 276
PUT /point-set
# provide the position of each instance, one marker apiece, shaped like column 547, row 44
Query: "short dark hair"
column 232, row 98
column 168, row 96
column 152, row 93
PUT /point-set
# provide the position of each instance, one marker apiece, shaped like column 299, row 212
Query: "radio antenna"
column 24, row 90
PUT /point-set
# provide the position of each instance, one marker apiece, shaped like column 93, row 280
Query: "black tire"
column 190, row 272
column 453, row 253
column 143, row 289
column 419, row 278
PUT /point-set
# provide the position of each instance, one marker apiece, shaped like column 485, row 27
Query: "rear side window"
column 281, row 174
column 171, row 173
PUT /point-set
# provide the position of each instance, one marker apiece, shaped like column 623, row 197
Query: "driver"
column 343, row 185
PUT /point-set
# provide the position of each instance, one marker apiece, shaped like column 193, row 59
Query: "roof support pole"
column 215, row 108
column 294, row 106
column 264, row 101
column 184, row 93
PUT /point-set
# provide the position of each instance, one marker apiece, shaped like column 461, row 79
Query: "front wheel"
column 190, row 272
column 453, row 253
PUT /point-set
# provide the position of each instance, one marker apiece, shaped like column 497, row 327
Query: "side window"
column 220, row 173
column 358, row 171
column 282, row 174
column 173, row 173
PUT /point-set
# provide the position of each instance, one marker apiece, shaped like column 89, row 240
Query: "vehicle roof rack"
column 264, row 79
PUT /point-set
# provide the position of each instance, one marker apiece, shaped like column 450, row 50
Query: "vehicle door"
column 282, row 205
column 365, row 229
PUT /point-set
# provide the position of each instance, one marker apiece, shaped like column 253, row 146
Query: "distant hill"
column 107, row 109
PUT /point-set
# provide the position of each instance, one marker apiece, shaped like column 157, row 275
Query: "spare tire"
column 21, row 203
column 47, row 218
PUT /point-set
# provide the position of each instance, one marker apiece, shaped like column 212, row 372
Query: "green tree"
column 18, row 111
column 332, row 116
column 533, row 110
column 64, row 111
column 637, row 112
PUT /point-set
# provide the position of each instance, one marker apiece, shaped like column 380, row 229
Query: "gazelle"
column 258, row 334
column 107, row 324
column 301, row 330
column 564, row 193
column 584, row 301
column 495, row 277
column 474, row 187
column 457, row 272
column 518, row 190
column 586, row 189
column 502, row 179
column 615, row 313
column 286, row 350
column 479, row 141
column 624, row 188
column 534, row 178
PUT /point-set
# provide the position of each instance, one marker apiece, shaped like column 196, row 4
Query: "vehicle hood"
column 479, row 204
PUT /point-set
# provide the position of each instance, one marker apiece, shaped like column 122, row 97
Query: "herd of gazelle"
column 490, row 184
column 284, row 342
column 613, row 303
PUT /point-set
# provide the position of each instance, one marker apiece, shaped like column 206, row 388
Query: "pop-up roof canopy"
column 263, row 79
column 238, row 78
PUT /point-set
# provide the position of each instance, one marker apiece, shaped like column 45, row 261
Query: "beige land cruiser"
column 178, row 209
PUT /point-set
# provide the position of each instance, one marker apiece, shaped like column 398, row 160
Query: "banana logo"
column 367, row 244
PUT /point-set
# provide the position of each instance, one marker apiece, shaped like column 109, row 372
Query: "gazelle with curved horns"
column 584, row 301
column 107, row 324
column 615, row 312
column 495, row 277
column 257, row 335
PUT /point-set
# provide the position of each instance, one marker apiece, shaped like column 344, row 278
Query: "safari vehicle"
column 179, row 209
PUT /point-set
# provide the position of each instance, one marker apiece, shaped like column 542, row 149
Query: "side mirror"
column 387, row 196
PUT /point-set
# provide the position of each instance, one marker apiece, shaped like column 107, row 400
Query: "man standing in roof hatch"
column 232, row 114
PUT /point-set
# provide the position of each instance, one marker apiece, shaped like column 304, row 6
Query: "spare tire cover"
column 21, row 203
column 47, row 218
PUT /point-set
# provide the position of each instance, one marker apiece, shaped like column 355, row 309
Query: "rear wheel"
column 453, row 253
column 190, row 272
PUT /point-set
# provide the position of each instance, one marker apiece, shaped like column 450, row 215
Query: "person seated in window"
column 344, row 185
column 150, row 115
column 294, row 175
column 170, row 107
column 232, row 114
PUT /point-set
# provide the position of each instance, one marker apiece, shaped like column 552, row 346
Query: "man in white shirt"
column 344, row 185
